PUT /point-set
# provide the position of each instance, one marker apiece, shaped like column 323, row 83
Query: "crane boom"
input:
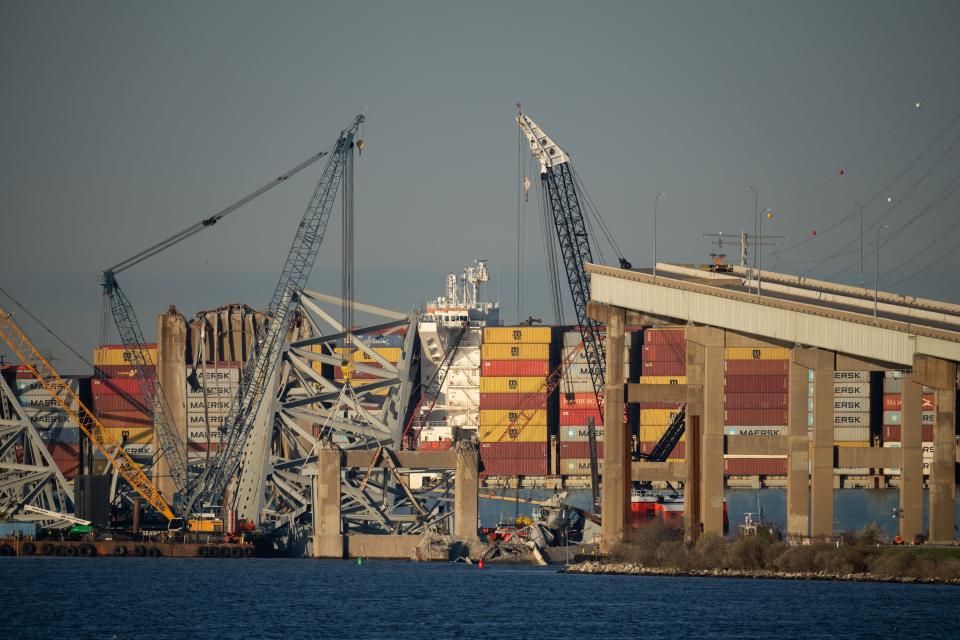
column 67, row 399
column 268, row 346
column 561, row 193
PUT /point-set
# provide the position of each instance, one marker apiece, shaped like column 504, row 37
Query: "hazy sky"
column 122, row 122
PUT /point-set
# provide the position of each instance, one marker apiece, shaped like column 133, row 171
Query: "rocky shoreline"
column 627, row 569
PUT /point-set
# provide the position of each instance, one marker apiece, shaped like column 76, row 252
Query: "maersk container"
column 750, row 417
column 663, row 369
column 514, row 401
column 747, row 430
column 18, row 529
column 755, row 400
column 572, row 385
column 123, row 419
column 512, row 467
column 573, row 417
column 847, row 405
column 48, row 418
column 861, row 419
column 114, row 402
column 579, row 433
column 115, row 355
column 893, row 433
column 657, row 416
column 578, row 467
column 66, row 457
column 665, row 335
column 851, row 389
column 515, row 368
column 514, row 335
column 519, row 351
column 518, row 415
column 120, row 371
column 756, row 367
column 575, row 371
column 756, row 384
column 894, row 402
column 851, row 376
column 761, row 353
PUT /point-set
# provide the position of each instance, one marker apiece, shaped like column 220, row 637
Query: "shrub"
column 709, row 552
column 870, row 535
column 747, row 553
column 674, row 554
column 841, row 560
column 642, row 543
column 797, row 559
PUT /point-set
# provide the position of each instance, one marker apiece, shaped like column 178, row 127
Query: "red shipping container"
column 665, row 353
column 755, row 417
column 578, row 401
column 66, row 457
column 435, row 445
column 755, row 400
column 665, row 336
column 894, row 402
column 513, row 401
column 114, row 402
column 512, row 450
column 893, row 433
column 755, row 466
column 573, row 417
column 514, row 467
column 679, row 451
column 756, row 367
column 663, row 368
column 120, row 419
column 756, row 384
column 513, row 368
column 579, row 450
column 115, row 386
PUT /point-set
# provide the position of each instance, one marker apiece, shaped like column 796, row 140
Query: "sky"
column 123, row 122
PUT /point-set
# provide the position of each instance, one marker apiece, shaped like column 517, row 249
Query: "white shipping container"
column 49, row 418
column 851, row 389
column 851, row 376
column 199, row 435
column 896, row 417
column 213, row 405
column 849, row 405
column 851, row 434
column 579, row 434
column 851, row 420
column 772, row 430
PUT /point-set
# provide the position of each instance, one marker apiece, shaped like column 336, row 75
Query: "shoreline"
column 628, row 569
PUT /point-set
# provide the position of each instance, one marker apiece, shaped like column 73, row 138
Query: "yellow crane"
column 67, row 399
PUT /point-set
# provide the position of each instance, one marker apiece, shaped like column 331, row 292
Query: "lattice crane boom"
column 66, row 398
column 268, row 346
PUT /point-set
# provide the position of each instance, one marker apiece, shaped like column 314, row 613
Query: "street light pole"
column 876, row 276
column 656, row 202
column 861, row 241
column 756, row 213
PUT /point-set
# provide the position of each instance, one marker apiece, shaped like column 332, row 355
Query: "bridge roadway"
column 827, row 327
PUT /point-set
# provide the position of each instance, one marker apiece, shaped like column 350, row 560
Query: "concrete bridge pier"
column 821, row 475
column 327, row 531
column 911, row 465
column 615, row 490
column 941, row 376
column 705, row 391
column 798, row 460
column 466, row 493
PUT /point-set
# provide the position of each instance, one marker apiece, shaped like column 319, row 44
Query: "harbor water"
column 120, row 599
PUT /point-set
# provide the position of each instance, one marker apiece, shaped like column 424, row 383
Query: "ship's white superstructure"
column 458, row 396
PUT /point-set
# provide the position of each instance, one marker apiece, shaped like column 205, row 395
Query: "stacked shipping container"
column 118, row 401
column 578, row 405
column 756, row 395
column 851, row 413
column 893, row 418
column 515, row 408
column 55, row 427
column 663, row 361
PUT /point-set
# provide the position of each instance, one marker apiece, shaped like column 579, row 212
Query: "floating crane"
column 560, row 191
column 66, row 398
column 247, row 425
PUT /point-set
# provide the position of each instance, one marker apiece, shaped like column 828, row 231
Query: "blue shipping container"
column 21, row 529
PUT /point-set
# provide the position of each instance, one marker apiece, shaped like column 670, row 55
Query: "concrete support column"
column 465, row 500
column 798, row 460
column 941, row 375
column 617, row 474
column 327, row 532
column 172, row 377
column 821, row 480
column 691, row 493
column 705, row 360
column 911, row 465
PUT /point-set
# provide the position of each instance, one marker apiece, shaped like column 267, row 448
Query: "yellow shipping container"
column 114, row 357
column 652, row 433
column 760, row 353
column 518, row 351
column 507, row 433
column 505, row 384
column 134, row 435
column 663, row 379
column 512, row 335
column 657, row 416
column 390, row 354
column 855, row 444
column 495, row 417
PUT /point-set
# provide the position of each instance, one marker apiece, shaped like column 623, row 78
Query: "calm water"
column 853, row 508
column 113, row 598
